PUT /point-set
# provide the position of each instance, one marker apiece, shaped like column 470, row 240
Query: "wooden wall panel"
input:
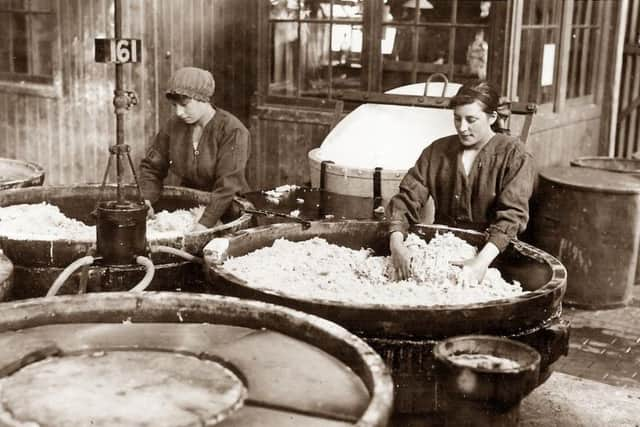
column 69, row 134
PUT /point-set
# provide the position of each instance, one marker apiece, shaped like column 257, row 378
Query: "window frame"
column 26, row 84
column 372, row 69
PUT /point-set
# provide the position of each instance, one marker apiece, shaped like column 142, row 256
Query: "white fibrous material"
column 44, row 221
column 484, row 361
column 316, row 269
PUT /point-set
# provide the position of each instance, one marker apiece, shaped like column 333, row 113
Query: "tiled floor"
column 604, row 345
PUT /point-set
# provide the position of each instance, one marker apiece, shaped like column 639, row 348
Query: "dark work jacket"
column 218, row 165
column 493, row 198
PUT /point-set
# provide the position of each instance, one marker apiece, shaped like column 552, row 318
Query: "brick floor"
column 604, row 344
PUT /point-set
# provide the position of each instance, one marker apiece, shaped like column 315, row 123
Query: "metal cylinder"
column 590, row 220
column 617, row 165
column 121, row 231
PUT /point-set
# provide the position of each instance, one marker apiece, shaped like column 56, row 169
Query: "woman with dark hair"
column 480, row 178
column 205, row 146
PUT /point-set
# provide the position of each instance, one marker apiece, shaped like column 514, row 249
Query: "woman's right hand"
column 400, row 256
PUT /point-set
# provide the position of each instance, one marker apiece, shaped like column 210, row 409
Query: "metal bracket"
column 124, row 99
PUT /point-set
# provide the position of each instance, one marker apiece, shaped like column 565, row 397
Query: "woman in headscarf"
column 204, row 145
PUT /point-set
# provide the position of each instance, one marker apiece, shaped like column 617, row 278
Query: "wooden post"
column 621, row 24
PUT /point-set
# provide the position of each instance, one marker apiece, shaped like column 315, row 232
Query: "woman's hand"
column 150, row 212
column 400, row 256
column 474, row 269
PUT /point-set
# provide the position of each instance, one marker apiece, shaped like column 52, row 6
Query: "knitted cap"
column 193, row 82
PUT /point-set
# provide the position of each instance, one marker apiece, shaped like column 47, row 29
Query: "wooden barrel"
column 38, row 262
column 405, row 335
column 18, row 173
column 590, row 220
column 184, row 359
column 361, row 182
column 6, row 276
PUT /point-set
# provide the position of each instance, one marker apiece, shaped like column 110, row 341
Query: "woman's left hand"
column 473, row 270
column 197, row 227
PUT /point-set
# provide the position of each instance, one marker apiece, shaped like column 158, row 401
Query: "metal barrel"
column 616, row 165
column 590, row 219
column 294, row 368
column 37, row 262
column 405, row 335
column 19, row 173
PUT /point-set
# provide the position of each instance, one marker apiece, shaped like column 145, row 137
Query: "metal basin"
column 294, row 369
column 18, row 173
column 539, row 273
column 38, row 262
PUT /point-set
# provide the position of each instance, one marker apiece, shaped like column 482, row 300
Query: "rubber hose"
column 177, row 252
column 148, row 276
column 67, row 272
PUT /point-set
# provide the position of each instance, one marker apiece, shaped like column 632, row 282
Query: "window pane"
column 315, row 60
column 18, row 4
column 314, row 9
column 541, row 12
column 40, row 5
column 284, row 9
column 346, row 57
column 20, row 54
column 582, row 56
column 531, row 87
column 471, row 55
column 433, row 45
column 5, row 42
column 42, row 38
column 284, row 58
column 473, row 11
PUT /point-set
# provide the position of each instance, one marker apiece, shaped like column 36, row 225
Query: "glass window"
column 422, row 37
column 27, row 35
column 539, row 51
column 316, row 46
column 583, row 55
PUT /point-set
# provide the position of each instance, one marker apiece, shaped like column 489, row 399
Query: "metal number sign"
column 119, row 51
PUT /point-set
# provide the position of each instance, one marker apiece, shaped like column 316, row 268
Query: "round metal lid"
column 129, row 388
column 122, row 359
column 590, row 179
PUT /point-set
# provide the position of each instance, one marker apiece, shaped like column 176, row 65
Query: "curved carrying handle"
column 430, row 79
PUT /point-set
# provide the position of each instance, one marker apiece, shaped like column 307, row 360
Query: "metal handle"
column 304, row 222
column 444, row 78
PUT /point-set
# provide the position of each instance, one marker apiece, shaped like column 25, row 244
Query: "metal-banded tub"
column 211, row 358
column 38, row 262
column 19, row 173
column 405, row 335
